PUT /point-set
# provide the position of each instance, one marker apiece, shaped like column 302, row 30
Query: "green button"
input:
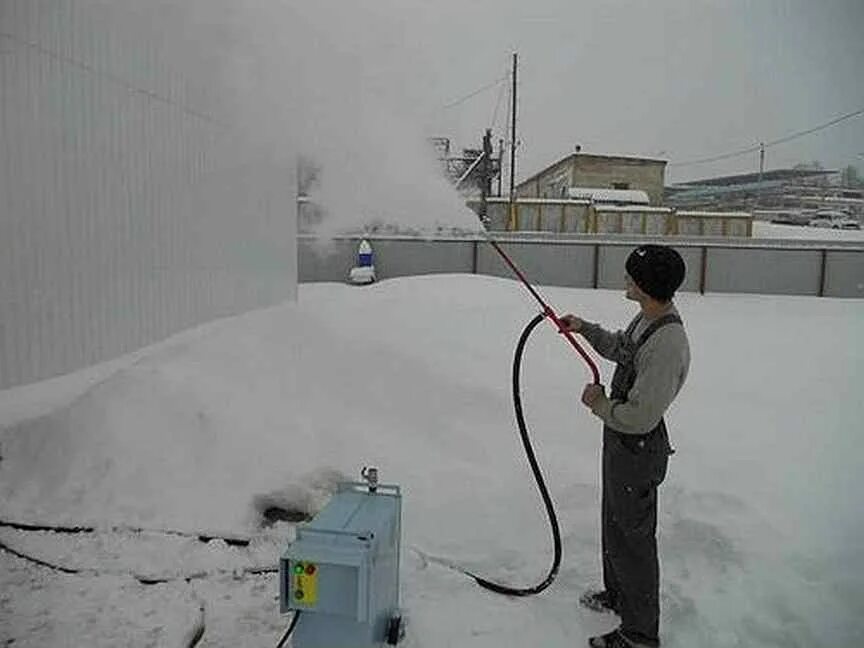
column 298, row 568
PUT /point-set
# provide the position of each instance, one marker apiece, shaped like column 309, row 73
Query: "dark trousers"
column 633, row 468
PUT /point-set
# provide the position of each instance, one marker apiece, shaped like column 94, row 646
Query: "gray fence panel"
column 399, row 258
column 776, row 268
column 755, row 270
column 546, row 264
column 325, row 260
column 610, row 266
column 844, row 274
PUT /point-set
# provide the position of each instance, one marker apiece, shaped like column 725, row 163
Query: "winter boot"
column 600, row 601
column 619, row 639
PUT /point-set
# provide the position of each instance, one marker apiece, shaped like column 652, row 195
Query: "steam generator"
column 341, row 573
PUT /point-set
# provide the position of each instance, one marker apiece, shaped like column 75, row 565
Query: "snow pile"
column 759, row 521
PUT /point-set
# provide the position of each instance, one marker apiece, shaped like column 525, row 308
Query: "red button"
column 310, row 569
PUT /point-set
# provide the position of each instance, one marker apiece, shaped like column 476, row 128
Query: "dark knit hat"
column 657, row 269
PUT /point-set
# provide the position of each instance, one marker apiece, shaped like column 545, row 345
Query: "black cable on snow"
column 38, row 561
column 24, row 526
column 199, row 627
column 538, row 477
column 231, row 541
column 290, row 629
column 144, row 580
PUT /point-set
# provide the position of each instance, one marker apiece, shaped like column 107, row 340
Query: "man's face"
column 633, row 292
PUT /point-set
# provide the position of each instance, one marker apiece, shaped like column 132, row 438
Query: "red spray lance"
column 548, row 312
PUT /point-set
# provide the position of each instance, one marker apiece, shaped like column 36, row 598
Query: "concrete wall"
column 548, row 183
column 123, row 217
column 584, row 170
column 583, row 217
column 585, row 262
column 589, row 171
column 569, row 216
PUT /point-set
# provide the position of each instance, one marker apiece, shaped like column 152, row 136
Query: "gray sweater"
column 661, row 369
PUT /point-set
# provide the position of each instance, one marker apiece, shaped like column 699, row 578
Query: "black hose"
column 538, row 476
column 289, row 630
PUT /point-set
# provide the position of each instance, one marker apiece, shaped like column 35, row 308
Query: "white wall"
column 130, row 205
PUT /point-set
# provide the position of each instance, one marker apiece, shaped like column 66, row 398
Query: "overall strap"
column 660, row 322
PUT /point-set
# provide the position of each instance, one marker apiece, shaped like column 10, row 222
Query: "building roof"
column 749, row 178
column 574, row 155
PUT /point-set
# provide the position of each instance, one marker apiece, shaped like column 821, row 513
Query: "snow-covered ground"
column 761, row 529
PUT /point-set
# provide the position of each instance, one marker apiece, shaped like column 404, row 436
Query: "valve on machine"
column 370, row 476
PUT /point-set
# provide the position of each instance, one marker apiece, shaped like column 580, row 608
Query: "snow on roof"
column 599, row 194
column 497, row 200
column 635, row 209
column 717, row 214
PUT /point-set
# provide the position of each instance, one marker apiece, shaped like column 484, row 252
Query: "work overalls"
column 634, row 465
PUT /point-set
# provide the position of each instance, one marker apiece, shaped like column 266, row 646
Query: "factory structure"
column 588, row 193
column 580, row 175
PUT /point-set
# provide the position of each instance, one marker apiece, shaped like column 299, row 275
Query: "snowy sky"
column 674, row 78
column 358, row 87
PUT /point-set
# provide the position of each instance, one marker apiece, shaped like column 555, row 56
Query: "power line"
column 781, row 140
column 816, row 128
column 475, row 93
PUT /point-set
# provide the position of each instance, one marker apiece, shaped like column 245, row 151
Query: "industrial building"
column 585, row 171
column 604, row 194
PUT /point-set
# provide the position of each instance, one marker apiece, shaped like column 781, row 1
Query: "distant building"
column 782, row 195
column 600, row 174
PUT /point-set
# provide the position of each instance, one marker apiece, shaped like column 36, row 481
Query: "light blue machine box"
column 342, row 571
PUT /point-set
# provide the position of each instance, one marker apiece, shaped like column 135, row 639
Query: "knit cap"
column 657, row 269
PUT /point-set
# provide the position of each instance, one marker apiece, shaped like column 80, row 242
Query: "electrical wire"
column 781, row 140
column 290, row 629
column 461, row 100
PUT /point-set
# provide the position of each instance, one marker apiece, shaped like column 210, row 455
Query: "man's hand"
column 592, row 393
column 572, row 323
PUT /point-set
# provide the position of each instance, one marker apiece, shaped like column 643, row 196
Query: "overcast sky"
column 679, row 79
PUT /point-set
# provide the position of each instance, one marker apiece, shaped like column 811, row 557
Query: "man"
column 652, row 358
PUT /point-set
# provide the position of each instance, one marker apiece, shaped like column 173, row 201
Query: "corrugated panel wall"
column 123, row 216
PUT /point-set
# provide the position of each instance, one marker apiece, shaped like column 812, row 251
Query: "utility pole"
column 761, row 171
column 486, row 176
column 513, row 145
column 500, row 166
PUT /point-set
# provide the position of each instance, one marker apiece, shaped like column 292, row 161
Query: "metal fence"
column 714, row 265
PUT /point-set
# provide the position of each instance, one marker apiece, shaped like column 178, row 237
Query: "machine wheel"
column 395, row 631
